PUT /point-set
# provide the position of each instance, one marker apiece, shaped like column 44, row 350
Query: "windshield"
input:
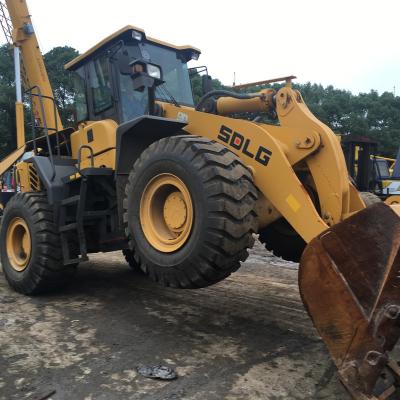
column 382, row 169
column 175, row 74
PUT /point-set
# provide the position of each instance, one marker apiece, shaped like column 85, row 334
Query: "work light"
column 154, row 71
column 137, row 35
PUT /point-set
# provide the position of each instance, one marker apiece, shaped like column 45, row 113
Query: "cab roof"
column 119, row 35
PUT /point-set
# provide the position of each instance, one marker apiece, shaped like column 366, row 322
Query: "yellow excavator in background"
column 182, row 188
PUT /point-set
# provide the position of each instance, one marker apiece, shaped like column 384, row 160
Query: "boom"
column 35, row 76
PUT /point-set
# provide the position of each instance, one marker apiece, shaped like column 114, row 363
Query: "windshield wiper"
column 166, row 94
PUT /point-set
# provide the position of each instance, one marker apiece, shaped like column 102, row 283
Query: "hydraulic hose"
column 226, row 93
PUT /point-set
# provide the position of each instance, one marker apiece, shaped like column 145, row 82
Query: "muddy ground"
column 245, row 338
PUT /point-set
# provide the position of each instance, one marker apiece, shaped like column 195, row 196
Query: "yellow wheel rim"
column 166, row 213
column 19, row 244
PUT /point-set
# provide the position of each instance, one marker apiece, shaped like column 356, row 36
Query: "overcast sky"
column 352, row 44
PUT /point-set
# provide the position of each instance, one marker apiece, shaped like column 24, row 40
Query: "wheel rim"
column 19, row 244
column 166, row 213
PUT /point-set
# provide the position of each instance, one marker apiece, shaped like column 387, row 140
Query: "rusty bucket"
column 349, row 280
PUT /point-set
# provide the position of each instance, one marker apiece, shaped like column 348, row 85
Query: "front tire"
column 189, row 212
column 30, row 246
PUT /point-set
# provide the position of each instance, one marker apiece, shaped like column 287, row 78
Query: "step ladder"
column 81, row 216
column 77, row 202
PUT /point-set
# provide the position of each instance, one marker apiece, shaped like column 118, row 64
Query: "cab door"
column 101, row 90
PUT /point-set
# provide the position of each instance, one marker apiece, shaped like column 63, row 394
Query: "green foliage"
column 197, row 86
column 7, row 102
column 62, row 87
column 60, row 80
column 366, row 114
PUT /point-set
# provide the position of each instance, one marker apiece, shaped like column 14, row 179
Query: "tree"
column 367, row 114
column 61, row 81
column 197, row 88
column 7, row 102
column 62, row 87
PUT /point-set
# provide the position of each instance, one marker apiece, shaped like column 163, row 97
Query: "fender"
column 135, row 136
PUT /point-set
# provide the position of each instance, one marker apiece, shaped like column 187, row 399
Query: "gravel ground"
column 245, row 338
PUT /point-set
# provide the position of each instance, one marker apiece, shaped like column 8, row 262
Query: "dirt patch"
column 245, row 338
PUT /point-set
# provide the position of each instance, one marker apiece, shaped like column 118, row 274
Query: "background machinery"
column 377, row 177
column 181, row 189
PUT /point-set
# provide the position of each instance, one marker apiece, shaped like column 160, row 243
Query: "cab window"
column 100, row 84
column 80, row 94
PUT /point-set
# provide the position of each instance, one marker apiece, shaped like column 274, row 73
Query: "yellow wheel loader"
column 181, row 189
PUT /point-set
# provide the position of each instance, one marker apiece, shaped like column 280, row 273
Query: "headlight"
column 154, row 71
column 195, row 55
column 28, row 29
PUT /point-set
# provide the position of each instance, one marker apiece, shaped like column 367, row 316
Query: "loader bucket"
column 349, row 280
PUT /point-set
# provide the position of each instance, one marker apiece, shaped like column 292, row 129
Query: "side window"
column 100, row 84
column 80, row 94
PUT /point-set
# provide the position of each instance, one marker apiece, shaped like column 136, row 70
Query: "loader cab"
column 370, row 172
column 103, row 76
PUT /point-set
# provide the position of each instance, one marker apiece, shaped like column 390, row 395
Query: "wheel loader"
column 376, row 176
column 182, row 189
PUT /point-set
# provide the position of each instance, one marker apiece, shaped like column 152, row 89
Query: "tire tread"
column 47, row 271
column 231, row 222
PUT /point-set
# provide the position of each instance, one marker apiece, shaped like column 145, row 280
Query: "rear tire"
column 41, row 268
column 370, row 198
column 130, row 259
column 280, row 238
column 222, row 199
